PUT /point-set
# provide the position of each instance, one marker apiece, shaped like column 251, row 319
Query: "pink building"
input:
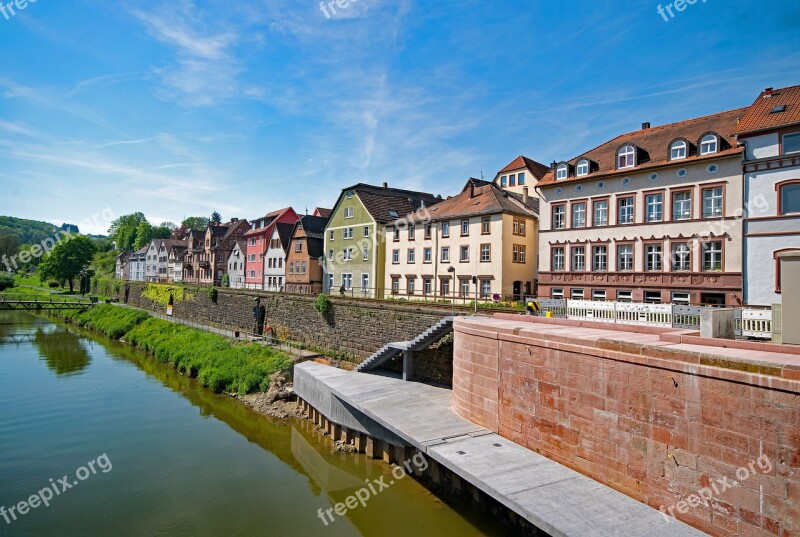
column 258, row 240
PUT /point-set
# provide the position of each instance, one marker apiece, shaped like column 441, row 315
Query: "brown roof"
column 772, row 109
column 385, row 204
column 323, row 213
column 653, row 147
column 268, row 218
column 537, row 169
column 481, row 198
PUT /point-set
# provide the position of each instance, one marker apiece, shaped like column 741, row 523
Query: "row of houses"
column 693, row 212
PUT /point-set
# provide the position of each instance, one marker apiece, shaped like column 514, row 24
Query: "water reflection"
column 62, row 351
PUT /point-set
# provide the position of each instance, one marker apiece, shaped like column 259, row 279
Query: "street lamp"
column 452, row 270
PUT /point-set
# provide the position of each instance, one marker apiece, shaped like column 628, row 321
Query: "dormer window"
column 561, row 172
column 677, row 150
column 708, row 145
column 626, row 157
column 582, row 168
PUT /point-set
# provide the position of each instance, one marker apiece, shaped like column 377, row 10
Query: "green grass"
column 29, row 292
column 219, row 363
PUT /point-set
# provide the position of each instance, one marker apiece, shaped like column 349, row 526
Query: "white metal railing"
column 756, row 323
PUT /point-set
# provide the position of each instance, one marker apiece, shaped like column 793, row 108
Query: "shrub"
column 226, row 280
column 323, row 304
column 52, row 285
column 6, row 281
column 213, row 294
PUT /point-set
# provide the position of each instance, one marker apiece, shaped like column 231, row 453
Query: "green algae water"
column 124, row 446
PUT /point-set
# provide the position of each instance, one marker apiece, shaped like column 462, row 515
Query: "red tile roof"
column 760, row 116
column 536, row 168
column 653, row 147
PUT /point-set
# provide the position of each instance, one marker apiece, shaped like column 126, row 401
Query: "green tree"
column 198, row 223
column 9, row 245
column 216, row 218
column 124, row 230
column 67, row 260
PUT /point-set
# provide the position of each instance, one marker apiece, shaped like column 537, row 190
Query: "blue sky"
column 180, row 108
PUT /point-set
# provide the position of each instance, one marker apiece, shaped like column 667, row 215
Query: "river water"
column 170, row 458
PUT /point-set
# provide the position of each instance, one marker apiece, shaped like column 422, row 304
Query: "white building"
column 236, row 262
column 138, row 264
column 770, row 132
column 151, row 267
column 275, row 258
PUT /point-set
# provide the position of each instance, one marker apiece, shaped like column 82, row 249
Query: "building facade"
column 257, row 242
column 354, row 236
column 770, row 132
column 306, row 249
column 520, row 174
column 236, row 265
column 207, row 258
column 122, row 267
column 480, row 244
column 138, row 264
column 275, row 269
column 650, row 216
column 151, row 268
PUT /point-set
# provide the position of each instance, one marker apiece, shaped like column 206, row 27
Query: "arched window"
column 708, row 144
column 562, row 171
column 582, row 168
column 626, row 157
column 677, row 150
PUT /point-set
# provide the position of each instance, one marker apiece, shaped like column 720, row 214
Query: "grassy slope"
column 219, row 363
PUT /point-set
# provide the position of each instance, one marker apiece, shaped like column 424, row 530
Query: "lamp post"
column 452, row 270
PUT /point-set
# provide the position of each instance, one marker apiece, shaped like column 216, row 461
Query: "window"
column 625, row 296
column 518, row 253
column 330, row 235
column 486, row 253
column 347, row 281
column 600, row 259
column 712, row 256
column 557, row 294
column 412, row 231
column 445, row 254
column 396, row 234
column 427, row 255
column 464, row 289
column 791, row 143
column 557, row 257
column 625, row 212
column 464, row 254
column 512, row 180
column 682, row 205
column 330, row 255
column 486, row 223
column 427, row 286
column 366, row 232
column 297, row 267
column 579, row 214
column 677, row 150
column 519, row 226
column 365, row 253
column 562, row 172
column 559, row 216
column 578, row 258
column 395, row 257
column 708, row 144
column 395, row 285
column 348, row 254
column 681, row 257
column 626, row 157
column 364, row 281
column 599, row 294
column 582, row 168
column 298, row 246
column 331, row 279
column 652, row 257
column 348, row 233
column 625, row 257
column 445, row 287
column 464, row 228
column 411, row 283
column 486, row 288
column 521, row 178
column 428, row 229
column 652, row 297
column 445, row 229
column 303, row 267
column 655, row 207
column 412, row 256
column 680, row 298
column 349, row 212
column 600, row 213
column 503, row 181
column 576, row 294
column 712, row 202
column 789, row 198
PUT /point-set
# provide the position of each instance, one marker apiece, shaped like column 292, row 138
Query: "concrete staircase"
column 422, row 341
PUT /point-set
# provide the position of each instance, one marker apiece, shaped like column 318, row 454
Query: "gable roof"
column 284, row 233
column 323, row 213
column 379, row 201
column 314, row 227
column 760, row 115
column 653, row 147
column 537, row 168
column 479, row 198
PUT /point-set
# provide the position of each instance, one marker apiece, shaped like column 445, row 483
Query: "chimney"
column 385, row 185
column 553, row 165
column 234, row 220
column 525, row 195
column 768, row 93
column 471, row 190
column 645, row 125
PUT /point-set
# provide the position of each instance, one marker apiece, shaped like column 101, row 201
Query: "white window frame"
column 582, row 168
column 678, row 150
column 562, row 172
column 626, row 157
column 709, row 144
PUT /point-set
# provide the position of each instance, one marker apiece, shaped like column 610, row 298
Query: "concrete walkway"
column 554, row 498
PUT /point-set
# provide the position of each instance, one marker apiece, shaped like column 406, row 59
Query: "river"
column 170, row 458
